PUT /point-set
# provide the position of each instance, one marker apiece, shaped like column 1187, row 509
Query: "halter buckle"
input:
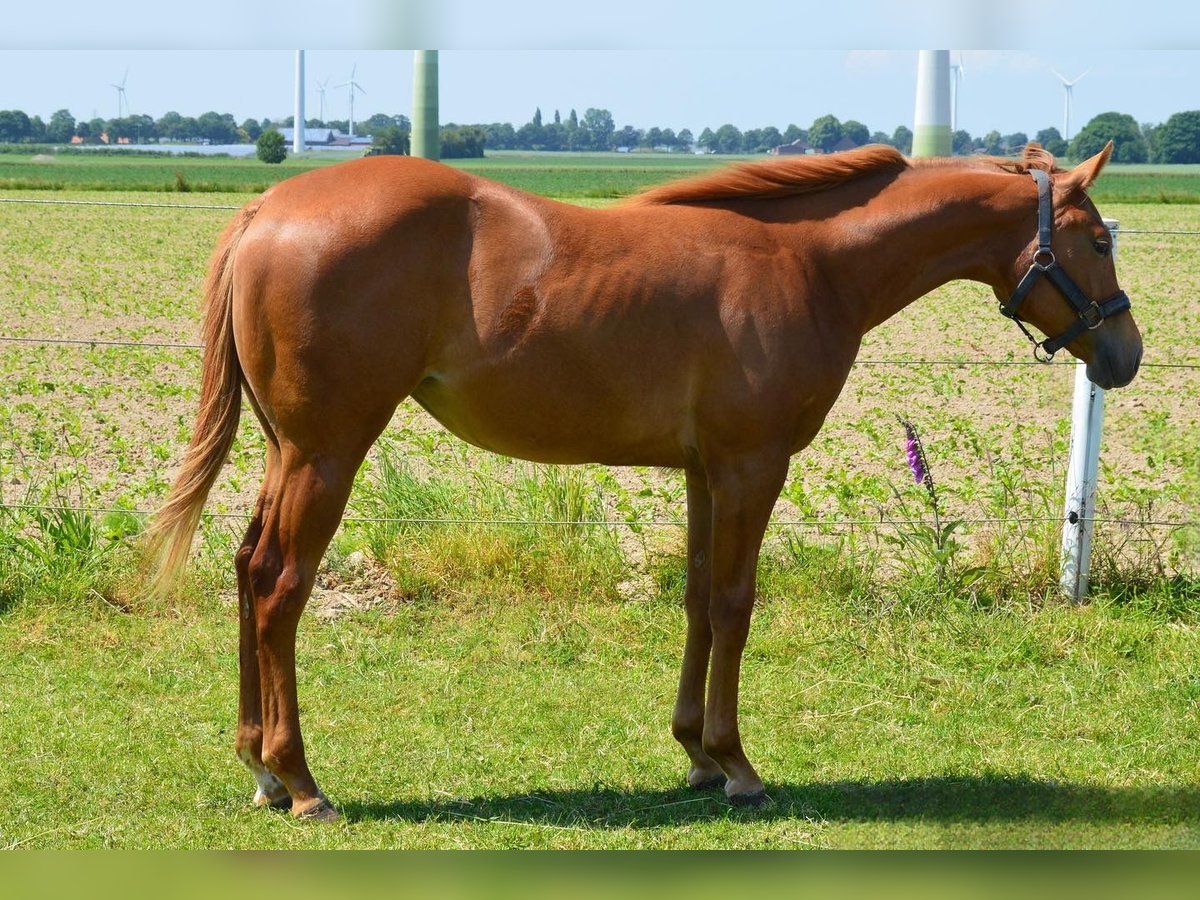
column 1092, row 316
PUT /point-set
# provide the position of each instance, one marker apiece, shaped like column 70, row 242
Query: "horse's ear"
column 1084, row 175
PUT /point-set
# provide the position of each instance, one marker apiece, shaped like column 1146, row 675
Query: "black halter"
column 1090, row 314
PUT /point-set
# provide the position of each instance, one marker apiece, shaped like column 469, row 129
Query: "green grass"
column 492, row 723
column 79, row 172
column 566, row 175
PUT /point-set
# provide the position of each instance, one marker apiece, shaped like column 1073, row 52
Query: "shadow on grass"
column 988, row 798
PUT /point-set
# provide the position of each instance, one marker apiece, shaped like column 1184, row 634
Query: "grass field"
column 510, row 686
column 565, row 175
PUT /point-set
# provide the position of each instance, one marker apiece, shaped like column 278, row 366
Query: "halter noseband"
column 1090, row 314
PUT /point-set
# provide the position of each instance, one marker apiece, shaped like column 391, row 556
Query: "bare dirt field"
column 104, row 425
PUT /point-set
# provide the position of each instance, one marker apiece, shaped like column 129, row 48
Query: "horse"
column 707, row 325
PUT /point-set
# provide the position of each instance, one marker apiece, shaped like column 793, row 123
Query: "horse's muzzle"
column 1114, row 369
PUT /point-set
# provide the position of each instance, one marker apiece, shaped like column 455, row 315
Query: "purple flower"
column 912, row 448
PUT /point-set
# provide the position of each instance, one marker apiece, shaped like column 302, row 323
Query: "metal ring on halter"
column 1044, row 251
column 1040, row 354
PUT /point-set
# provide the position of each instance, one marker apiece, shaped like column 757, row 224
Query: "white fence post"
column 1079, row 512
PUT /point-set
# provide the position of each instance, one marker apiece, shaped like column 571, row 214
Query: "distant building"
column 844, row 144
column 797, row 147
column 313, row 137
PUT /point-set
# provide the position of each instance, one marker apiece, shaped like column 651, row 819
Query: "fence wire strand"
column 896, row 361
column 617, row 523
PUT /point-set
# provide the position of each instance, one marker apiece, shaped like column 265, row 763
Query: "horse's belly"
column 518, row 420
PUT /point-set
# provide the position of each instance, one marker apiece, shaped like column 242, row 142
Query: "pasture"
column 468, row 683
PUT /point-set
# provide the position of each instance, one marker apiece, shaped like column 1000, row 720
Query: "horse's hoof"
column 277, row 800
column 319, row 810
column 752, row 800
column 707, row 783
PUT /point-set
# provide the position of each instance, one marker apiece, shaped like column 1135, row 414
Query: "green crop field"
column 483, row 685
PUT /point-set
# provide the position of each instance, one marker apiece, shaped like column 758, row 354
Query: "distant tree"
column 61, row 127
column 751, row 138
column 856, row 131
column 462, row 142
column 1151, row 133
column 628, row 137
column 599, row 123
column 668, row 139
column 37, row 130
column 993, row 143
column 557, row 118
column 1178, row 139
column 84, row 131
column 770, row 137
column 252, row 129
column 825, row 132
column 554, row 136
column 902, row 139
column 390, row 140
column 1129, row 145
column 500, row 135
column 794, row 133
column 271, row 147
column 98, row 127
column 380, row 121
column 537, row 117
column 572, row 121
column 728, row 139
column 217, row 128
column 961, row 143
column 1052, row 140
column 877, row 137
column 684, row 140
column 1015, row 142
column 707, row 141
column 529, row 137
column 14, row 126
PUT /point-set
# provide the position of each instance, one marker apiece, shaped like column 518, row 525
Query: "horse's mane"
column 791, row 176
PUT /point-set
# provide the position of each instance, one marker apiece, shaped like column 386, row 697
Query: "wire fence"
column 892, row 361
column 93, row 343
column 616, row 523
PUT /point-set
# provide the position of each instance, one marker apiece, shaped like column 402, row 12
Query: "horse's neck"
column 929, row 227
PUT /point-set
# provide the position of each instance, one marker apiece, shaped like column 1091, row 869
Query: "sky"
column 671, row 63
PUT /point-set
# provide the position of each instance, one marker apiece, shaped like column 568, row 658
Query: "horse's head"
column 1066, row 284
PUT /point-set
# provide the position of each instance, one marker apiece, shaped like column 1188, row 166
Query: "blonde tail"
column 169, row 538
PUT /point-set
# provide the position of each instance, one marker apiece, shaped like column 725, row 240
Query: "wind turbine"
column 122, row 100
column 321, row 91
column 957, row 73
column 354, row 86
column 1067, row 89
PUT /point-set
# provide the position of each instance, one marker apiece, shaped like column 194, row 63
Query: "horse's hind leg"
column 270, row 790
column 311, row 494
column 687, row 721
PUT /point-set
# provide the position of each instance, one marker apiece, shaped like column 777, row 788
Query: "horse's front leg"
column 687, row 721
column 744, row 491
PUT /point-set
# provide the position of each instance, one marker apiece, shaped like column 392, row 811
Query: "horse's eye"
column 1102, row 247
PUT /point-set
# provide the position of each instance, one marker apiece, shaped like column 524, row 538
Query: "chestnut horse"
column 706, row 325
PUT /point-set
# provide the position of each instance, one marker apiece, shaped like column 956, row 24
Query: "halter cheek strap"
column 1089, row 313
